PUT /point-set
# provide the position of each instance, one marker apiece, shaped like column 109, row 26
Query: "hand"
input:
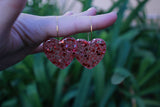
column 22, row 34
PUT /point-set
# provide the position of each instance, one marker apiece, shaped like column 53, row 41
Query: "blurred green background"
column 128, row 76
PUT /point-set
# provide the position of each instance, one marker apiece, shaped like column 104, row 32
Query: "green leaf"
column 86, row 4
column 33, row 96
column 123, row 53
column 125, row 104
column 60, row 85
column 108, row 60
column 140, row 102
column 51, row 69
column 151, row 103
column 150, row 90
column 112, row 103
column 133, row 15
column 10, row 103
column 145, row 64
column 126, row 37
column 116, row 4
column 76, row 70
column 83, row 89
column 126, row 93
column 70, row 95
column 39, row 70
column 116, row 29
column 99, row 80
column 110, row 89
column 120, row 74
column 41, row 77
column 150, row 73
column 130, row 35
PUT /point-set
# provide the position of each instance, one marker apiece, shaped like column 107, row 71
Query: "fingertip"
column 90, row 12
column 69, row 13
column 114, row 15
column 93, row 10
column 111, row 15
column 38, row 49
column 104, row 20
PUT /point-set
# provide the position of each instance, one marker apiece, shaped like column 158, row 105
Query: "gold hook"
column 57, row 28
column 91, row 26
column 88, row 36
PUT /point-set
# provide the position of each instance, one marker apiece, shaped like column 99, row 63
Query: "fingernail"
column 115, row 11
column 69, row 13
column 91, row 8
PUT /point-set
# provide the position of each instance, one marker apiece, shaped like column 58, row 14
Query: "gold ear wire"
column 88, row 36
column 57, row 28
column 91, row 26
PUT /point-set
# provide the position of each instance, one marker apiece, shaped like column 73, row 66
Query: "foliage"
column 127, row 76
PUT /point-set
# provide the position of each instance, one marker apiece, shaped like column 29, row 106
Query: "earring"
column 90, row 53
column 60, row 53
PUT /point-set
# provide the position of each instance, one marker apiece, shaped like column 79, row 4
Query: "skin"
column 23, row 34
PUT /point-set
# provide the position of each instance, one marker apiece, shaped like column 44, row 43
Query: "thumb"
column 9, row 11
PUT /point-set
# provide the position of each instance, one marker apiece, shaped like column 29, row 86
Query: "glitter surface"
column 90, row 53
column 60, row 53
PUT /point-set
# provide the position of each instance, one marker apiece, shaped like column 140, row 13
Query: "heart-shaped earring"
column 90, row 53
column 61, row 53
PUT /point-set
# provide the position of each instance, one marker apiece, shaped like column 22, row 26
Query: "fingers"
column 70, row 25
column 90, row 12
column 68, row 13
column 9, row 11
column 38, row 49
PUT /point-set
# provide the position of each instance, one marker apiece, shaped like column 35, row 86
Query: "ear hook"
column 91, row 26
column 88, row 36
column 57, row 28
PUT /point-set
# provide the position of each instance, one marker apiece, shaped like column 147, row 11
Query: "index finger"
column 70, row 25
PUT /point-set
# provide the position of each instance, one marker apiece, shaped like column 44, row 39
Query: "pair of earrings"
column 61, row 53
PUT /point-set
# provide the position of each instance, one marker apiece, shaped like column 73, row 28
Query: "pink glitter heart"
column 90, row 53
column 61, row 52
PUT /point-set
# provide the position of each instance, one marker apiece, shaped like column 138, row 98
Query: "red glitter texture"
column 60, row 52
column 90, row 53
